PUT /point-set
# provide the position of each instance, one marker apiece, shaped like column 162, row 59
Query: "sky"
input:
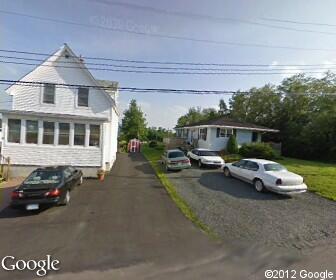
column 163, row 109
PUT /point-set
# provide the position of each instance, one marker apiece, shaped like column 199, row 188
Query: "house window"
column 224, row 132
column 94, row 135
column 254, row 136
column 48, row 132
column 49, row 94
column 83, row 97
column 14, row 131
column 79, row 139
column 31, row 132
column 203, row 134
column 63, row 133
column 0, row 124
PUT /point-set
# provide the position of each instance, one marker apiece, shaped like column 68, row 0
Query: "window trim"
column 20, row 131
column 99, row 137
column 43, row 92
column 88, row 98
column 59, row 133
column 74, row 134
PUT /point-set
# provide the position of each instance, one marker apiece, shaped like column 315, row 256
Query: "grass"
column 320, row 177
column 153, row 155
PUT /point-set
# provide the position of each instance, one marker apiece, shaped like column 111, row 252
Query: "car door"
column 250, row 170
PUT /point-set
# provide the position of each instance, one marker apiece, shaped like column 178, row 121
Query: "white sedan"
column 206, row 157
column 265, row 174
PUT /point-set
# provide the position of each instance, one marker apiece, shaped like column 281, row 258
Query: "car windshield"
column 208, row 153
column 274, row 167
column 43, row 177
column 175, row 154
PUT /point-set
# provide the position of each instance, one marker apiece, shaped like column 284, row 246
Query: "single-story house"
column 65, row 118
column 214, row 134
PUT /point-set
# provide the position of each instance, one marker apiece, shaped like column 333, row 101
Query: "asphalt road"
column 128, row 219
column 236, row 212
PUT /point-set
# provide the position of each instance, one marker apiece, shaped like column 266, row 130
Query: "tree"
column 223, row 109
column 133, row 123
column 232, row 145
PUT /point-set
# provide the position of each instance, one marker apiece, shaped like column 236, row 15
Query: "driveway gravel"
column 236, row 212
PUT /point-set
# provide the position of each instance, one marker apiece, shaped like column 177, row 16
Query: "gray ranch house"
column 214, row 134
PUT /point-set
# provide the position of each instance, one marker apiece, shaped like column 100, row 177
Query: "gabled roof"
column 65, row 49
column 225, row 122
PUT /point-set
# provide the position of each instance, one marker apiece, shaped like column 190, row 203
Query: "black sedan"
column 46, row 187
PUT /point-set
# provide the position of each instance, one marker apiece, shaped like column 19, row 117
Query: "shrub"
column 258, row 150
column 152, row 144
column 232, row 145
column 123, row 146
column 160, row 147
column 231, row 158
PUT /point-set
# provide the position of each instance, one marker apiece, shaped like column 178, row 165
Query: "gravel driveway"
column 236, row 212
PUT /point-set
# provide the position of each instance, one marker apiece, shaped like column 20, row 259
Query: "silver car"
column 175, row 160
column 265, row 174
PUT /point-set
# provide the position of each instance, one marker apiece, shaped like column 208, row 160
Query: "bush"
column 152, row 144
column 123, row 146
column 231, row 158
column 258, row 150
column 232, row 145
column 160, row 147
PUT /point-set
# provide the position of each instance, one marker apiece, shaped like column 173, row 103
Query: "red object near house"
column 134, row 146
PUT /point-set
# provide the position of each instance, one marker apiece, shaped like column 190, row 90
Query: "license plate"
column 32, row 207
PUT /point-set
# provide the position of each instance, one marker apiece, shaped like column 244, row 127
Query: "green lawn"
column 153, row 156
column 319, row 177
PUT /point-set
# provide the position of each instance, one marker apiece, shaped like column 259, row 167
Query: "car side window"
column 240, row 163
column 253, row 166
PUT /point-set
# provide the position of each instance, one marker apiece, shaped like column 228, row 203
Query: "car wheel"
column 259, row 185
column 227, row 172
column 200, row 164
column 80, row 180
column 66, row 198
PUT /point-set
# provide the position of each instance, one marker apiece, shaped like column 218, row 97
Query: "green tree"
column 133, row 123
column 223, row 109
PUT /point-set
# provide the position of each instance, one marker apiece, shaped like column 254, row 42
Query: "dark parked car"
column 46, row 187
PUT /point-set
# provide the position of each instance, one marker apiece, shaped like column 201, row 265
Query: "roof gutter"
column 233, row 127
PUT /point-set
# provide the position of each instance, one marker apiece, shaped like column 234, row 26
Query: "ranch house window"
column 31, row 132
column 203, row 134
column 63, row 133
column 94, row 135
column 14, row 131
column 79, row 139
column 83, row 97
column 48, row 132
column 49, row 94
column 224, row 132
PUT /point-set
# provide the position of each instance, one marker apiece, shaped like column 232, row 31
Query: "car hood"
column 212, row 158
column 178, row 159
column 287, row 177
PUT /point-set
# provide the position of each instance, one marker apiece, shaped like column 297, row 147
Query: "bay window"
column 14, row 130
column 79, row 138
column 31, row 132
column 48, row 132
column 94, row 135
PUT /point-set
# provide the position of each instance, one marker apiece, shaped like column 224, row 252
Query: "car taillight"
column 185, row 161
column 278, row 182
column 16, row 194
column 53, row 193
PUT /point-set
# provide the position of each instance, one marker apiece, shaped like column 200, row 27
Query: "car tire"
column 66, row 199
column 200, row 164
column 80, row 181
column 259, row 185
column 227, row 172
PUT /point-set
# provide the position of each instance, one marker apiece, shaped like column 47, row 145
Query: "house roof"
column 225, row 122
column 53, row 115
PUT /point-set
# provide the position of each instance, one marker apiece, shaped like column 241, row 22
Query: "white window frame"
column 203, row 133
column 43, row 92
column 225, row 132
column 77, row 98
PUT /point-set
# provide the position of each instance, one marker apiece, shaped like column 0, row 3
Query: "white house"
column 214, row 134
column 47, row 124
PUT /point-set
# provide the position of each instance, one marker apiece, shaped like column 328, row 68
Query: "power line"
column 164, row 68
column 145, row 90
column 196, row 16
column 167, row 72
column 298, row 22
column 158, row 62
column 166, row 36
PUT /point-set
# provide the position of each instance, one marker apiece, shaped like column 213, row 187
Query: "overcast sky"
column 28, row 34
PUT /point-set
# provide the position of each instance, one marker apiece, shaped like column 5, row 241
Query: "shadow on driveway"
column 217, row 182
column 9, row 213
